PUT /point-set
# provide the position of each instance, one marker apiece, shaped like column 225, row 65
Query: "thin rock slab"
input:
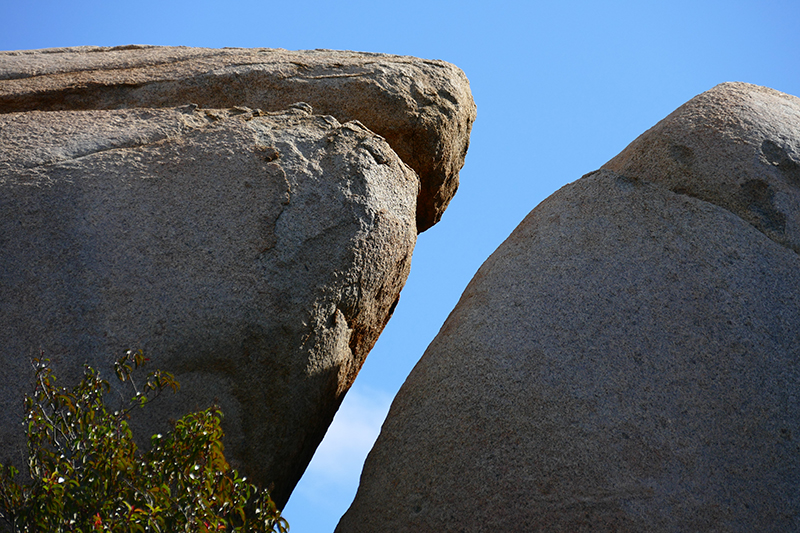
column 257, row 256
column 627, row 360
column 423, row 108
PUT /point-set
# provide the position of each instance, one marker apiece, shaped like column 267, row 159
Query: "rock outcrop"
column 628, row 359
column 423, row 108
column 735, row 146
column 256, row 255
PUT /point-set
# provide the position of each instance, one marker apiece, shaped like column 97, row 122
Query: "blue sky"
column 561, row 87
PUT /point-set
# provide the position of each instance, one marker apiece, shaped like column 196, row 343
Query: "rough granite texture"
column 736, row 146
column 423, row 108
column 255, row 256
column 628, row 359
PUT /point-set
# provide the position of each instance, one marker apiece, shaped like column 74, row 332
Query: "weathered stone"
column 735, row 146
column 256, row 256
column 423, row 108
column 628, row 360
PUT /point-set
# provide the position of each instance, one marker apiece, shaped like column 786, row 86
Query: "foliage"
column 88, row 475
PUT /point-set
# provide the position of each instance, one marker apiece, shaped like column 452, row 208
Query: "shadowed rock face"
column 628, row 359
column 231, row 212
column 423, row 108
column 256, row 257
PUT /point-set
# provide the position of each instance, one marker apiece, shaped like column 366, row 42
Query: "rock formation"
column 628, row 359
column 423, row 108
column 735, row 146
column 149, row 200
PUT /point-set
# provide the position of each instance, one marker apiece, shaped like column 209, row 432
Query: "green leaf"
column 86, row 472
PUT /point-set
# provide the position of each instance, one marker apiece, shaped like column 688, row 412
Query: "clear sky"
column 561, row 87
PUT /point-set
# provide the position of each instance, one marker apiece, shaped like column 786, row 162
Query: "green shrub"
column 88, row 475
